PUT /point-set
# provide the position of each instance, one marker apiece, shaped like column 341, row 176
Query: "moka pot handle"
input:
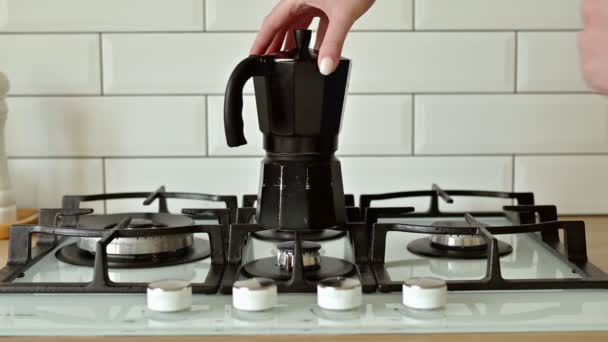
column 233, row 101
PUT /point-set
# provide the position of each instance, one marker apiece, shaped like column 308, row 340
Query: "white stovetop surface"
column 103, row 314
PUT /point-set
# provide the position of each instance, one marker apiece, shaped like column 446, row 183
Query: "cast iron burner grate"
column 299, row 279
column 572, row 251
column 56, row 225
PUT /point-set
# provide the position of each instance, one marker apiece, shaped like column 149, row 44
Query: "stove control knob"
column 256, row 294
column 339, row 293
column 169, row 295
column 425, row 293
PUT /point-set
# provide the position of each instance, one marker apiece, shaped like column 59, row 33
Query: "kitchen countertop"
column 597, row 240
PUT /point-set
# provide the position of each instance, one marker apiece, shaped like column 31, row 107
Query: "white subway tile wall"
column 127, row 95
column 101, row 15
column 167, row 63
column 497, row 14
column 506, row 124
column 107, row 126
column 387, row 174
column 243, row 15
column 565, row 177
column 536, row 74
column 362, row 132
column 395, row 62
column 51, row 64
column 42, row 182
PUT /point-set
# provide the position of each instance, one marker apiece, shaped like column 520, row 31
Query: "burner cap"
column 145, row 244
column 307, row 246
column 74, row 255
column 310, row 255
column 456, row 241
column 425, row 247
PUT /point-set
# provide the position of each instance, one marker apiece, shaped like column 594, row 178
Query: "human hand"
column 337, row 17
column 593, row 44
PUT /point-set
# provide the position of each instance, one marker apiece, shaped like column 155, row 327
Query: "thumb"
column 331, row 47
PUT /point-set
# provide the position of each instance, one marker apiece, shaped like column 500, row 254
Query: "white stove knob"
column 169, row 295
column 425, row 293
column 256, row 294
column 339, row 293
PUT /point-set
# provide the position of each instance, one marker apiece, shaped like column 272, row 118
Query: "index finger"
column 273, row 23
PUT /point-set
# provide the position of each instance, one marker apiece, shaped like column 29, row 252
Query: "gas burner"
column 198, row 250
column 460, row 239
column 136, row 246
column 425, row 247
column 457, row 242
column 455, row 246
column 310, row 255
column 298, row 265
column 140, row 251
column 326, row 267
column 315, row 266
column 129, row 240
column 282, row 235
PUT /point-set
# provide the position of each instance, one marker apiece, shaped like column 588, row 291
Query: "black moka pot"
column 299, row 113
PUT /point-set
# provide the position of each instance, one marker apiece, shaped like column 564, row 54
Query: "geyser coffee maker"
column 299, row 113
column 301, row 197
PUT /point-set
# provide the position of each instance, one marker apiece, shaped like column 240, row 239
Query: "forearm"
column 593, row 44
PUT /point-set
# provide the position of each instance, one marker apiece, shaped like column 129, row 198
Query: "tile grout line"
column 206, row 126
column 204, row 15
column 513, row 173
column 516, row 61
column 413, row 129
column 101, row 63
column 104, row 187
column 414, row 15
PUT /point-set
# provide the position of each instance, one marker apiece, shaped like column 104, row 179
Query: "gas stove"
column 510, row 268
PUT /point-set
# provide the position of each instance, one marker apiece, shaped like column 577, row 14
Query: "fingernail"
column 326, row 66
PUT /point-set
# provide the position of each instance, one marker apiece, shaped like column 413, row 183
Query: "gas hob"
column 510, row 268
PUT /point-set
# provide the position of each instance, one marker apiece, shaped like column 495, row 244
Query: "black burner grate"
column 299, row 280
column 58, row 224
column 542, row 221
column 366, row 235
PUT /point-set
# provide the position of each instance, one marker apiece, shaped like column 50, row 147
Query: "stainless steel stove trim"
column 458, row 241
column 139, row 245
